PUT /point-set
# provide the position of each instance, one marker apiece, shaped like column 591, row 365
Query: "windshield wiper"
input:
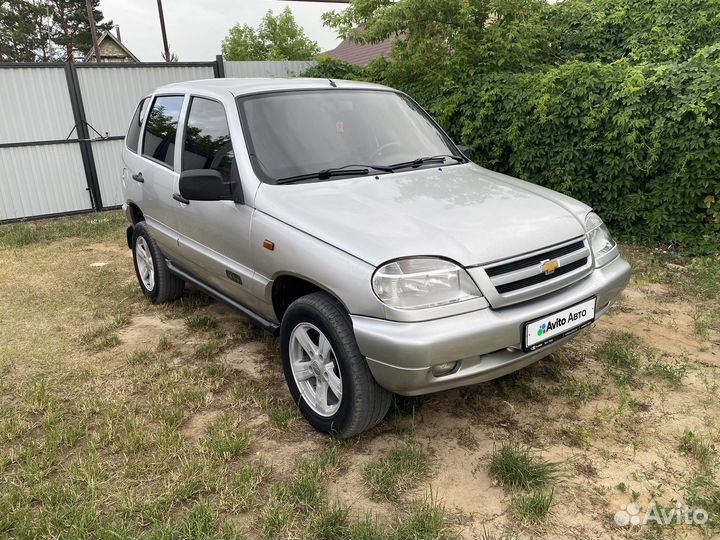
column 345, row 170
column 422, row 160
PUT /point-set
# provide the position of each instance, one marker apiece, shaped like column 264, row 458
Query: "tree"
column 277, row 38
column 71, row 26
column 21, row 32
column 49, row 30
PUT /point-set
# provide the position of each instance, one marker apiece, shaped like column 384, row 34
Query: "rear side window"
column 161, row 128
column 133, row 134
column 207, row 139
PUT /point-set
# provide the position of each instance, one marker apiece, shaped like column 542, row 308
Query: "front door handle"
column 138, row 177
column 180, row 198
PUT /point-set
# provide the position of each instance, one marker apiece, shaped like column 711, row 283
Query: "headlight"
column 423, row 283
column 601, row 242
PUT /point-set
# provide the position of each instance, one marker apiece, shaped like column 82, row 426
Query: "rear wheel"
column 327, row 375
column 156, row 281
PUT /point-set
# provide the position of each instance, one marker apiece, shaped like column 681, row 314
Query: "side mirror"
column 465, row 150
column 204, row 185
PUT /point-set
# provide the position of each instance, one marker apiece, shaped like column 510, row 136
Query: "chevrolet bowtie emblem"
column 548, row 267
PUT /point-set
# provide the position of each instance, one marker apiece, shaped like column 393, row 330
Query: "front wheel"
column 327, row 375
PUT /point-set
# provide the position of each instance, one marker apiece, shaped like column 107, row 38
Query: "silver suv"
column 340, row 216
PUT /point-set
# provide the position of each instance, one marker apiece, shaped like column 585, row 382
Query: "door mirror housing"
column 205, row 185
column 465, row 150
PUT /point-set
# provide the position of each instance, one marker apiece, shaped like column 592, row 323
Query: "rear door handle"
column 180, row 198
column 138, row 177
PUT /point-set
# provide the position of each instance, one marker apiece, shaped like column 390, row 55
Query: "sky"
column 196, row 28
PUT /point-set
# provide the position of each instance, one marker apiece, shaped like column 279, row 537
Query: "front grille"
column 522, row 278
column 535, row 259
column 539, row 278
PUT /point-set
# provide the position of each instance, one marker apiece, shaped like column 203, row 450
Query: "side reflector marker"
column 267, row 244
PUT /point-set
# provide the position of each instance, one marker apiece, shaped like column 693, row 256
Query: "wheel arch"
column 288, row 287
column 135, row 214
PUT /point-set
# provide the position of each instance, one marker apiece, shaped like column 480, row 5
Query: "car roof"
column 241, row 87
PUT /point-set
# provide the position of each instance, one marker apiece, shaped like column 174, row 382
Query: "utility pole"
column 164, row 33
column 93, row 30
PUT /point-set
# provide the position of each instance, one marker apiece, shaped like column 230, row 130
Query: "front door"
column 215, row 235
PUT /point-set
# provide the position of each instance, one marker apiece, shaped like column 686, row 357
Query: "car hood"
column 463, row 212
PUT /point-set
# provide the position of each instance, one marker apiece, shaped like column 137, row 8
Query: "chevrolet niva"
column 340, row 216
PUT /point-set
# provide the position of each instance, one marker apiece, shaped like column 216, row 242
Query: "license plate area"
column 554, row 326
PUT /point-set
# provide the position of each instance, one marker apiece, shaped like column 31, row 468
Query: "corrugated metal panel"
column 35, row 105
column 109, row 166
column 39, row 180
column 110, row 95
column 267, row 69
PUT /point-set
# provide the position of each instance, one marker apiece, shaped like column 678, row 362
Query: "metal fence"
column 62, row 127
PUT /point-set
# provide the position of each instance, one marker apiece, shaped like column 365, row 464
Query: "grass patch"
column 200, row 522
column 207, row 351
column 625, row 358
column 200, row 323
column 579, row 391
column 514, row 465
column 672, row 371
column 426, row 518
column 96, row 227
column 295, row 500
column 280, row 416
column 620, row 351
column 703, row 451
column 330, row 523
column 705, row 320
column 140, row 358
column 702, row 278
column 217, row 371
column 241, row 488
column 105, row 336
column 389, row 476
column 164, row 344
column 226, row 439
column 704, row 492
column 250, row 393
column 533, row 508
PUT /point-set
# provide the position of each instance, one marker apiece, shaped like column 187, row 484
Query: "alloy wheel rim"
column 146, row 268
column 315, row 369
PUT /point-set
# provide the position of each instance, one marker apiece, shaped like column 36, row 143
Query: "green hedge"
column 639, row 143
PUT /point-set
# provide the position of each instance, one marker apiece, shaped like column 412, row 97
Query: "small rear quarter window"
column 133, row 134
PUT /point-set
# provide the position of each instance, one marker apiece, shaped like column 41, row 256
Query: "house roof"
column 107, row 35
column 360, row 55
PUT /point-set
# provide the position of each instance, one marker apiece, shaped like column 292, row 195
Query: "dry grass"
column 119, row 418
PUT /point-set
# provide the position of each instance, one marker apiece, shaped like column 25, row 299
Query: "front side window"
column 133, row 134
column 161, row 128
column 301, row 132
column 207, row 139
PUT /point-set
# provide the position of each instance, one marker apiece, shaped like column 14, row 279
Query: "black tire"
column 364, row 403
column 167, row 286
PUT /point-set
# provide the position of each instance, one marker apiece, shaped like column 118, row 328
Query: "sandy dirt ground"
column 616, row 442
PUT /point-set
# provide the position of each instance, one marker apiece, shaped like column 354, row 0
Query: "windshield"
column 303, row 132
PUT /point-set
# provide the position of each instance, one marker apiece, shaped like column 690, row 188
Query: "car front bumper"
column 486, row 343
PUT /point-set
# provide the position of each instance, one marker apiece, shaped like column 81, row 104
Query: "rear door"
column 157, row 170
column 132, row 162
